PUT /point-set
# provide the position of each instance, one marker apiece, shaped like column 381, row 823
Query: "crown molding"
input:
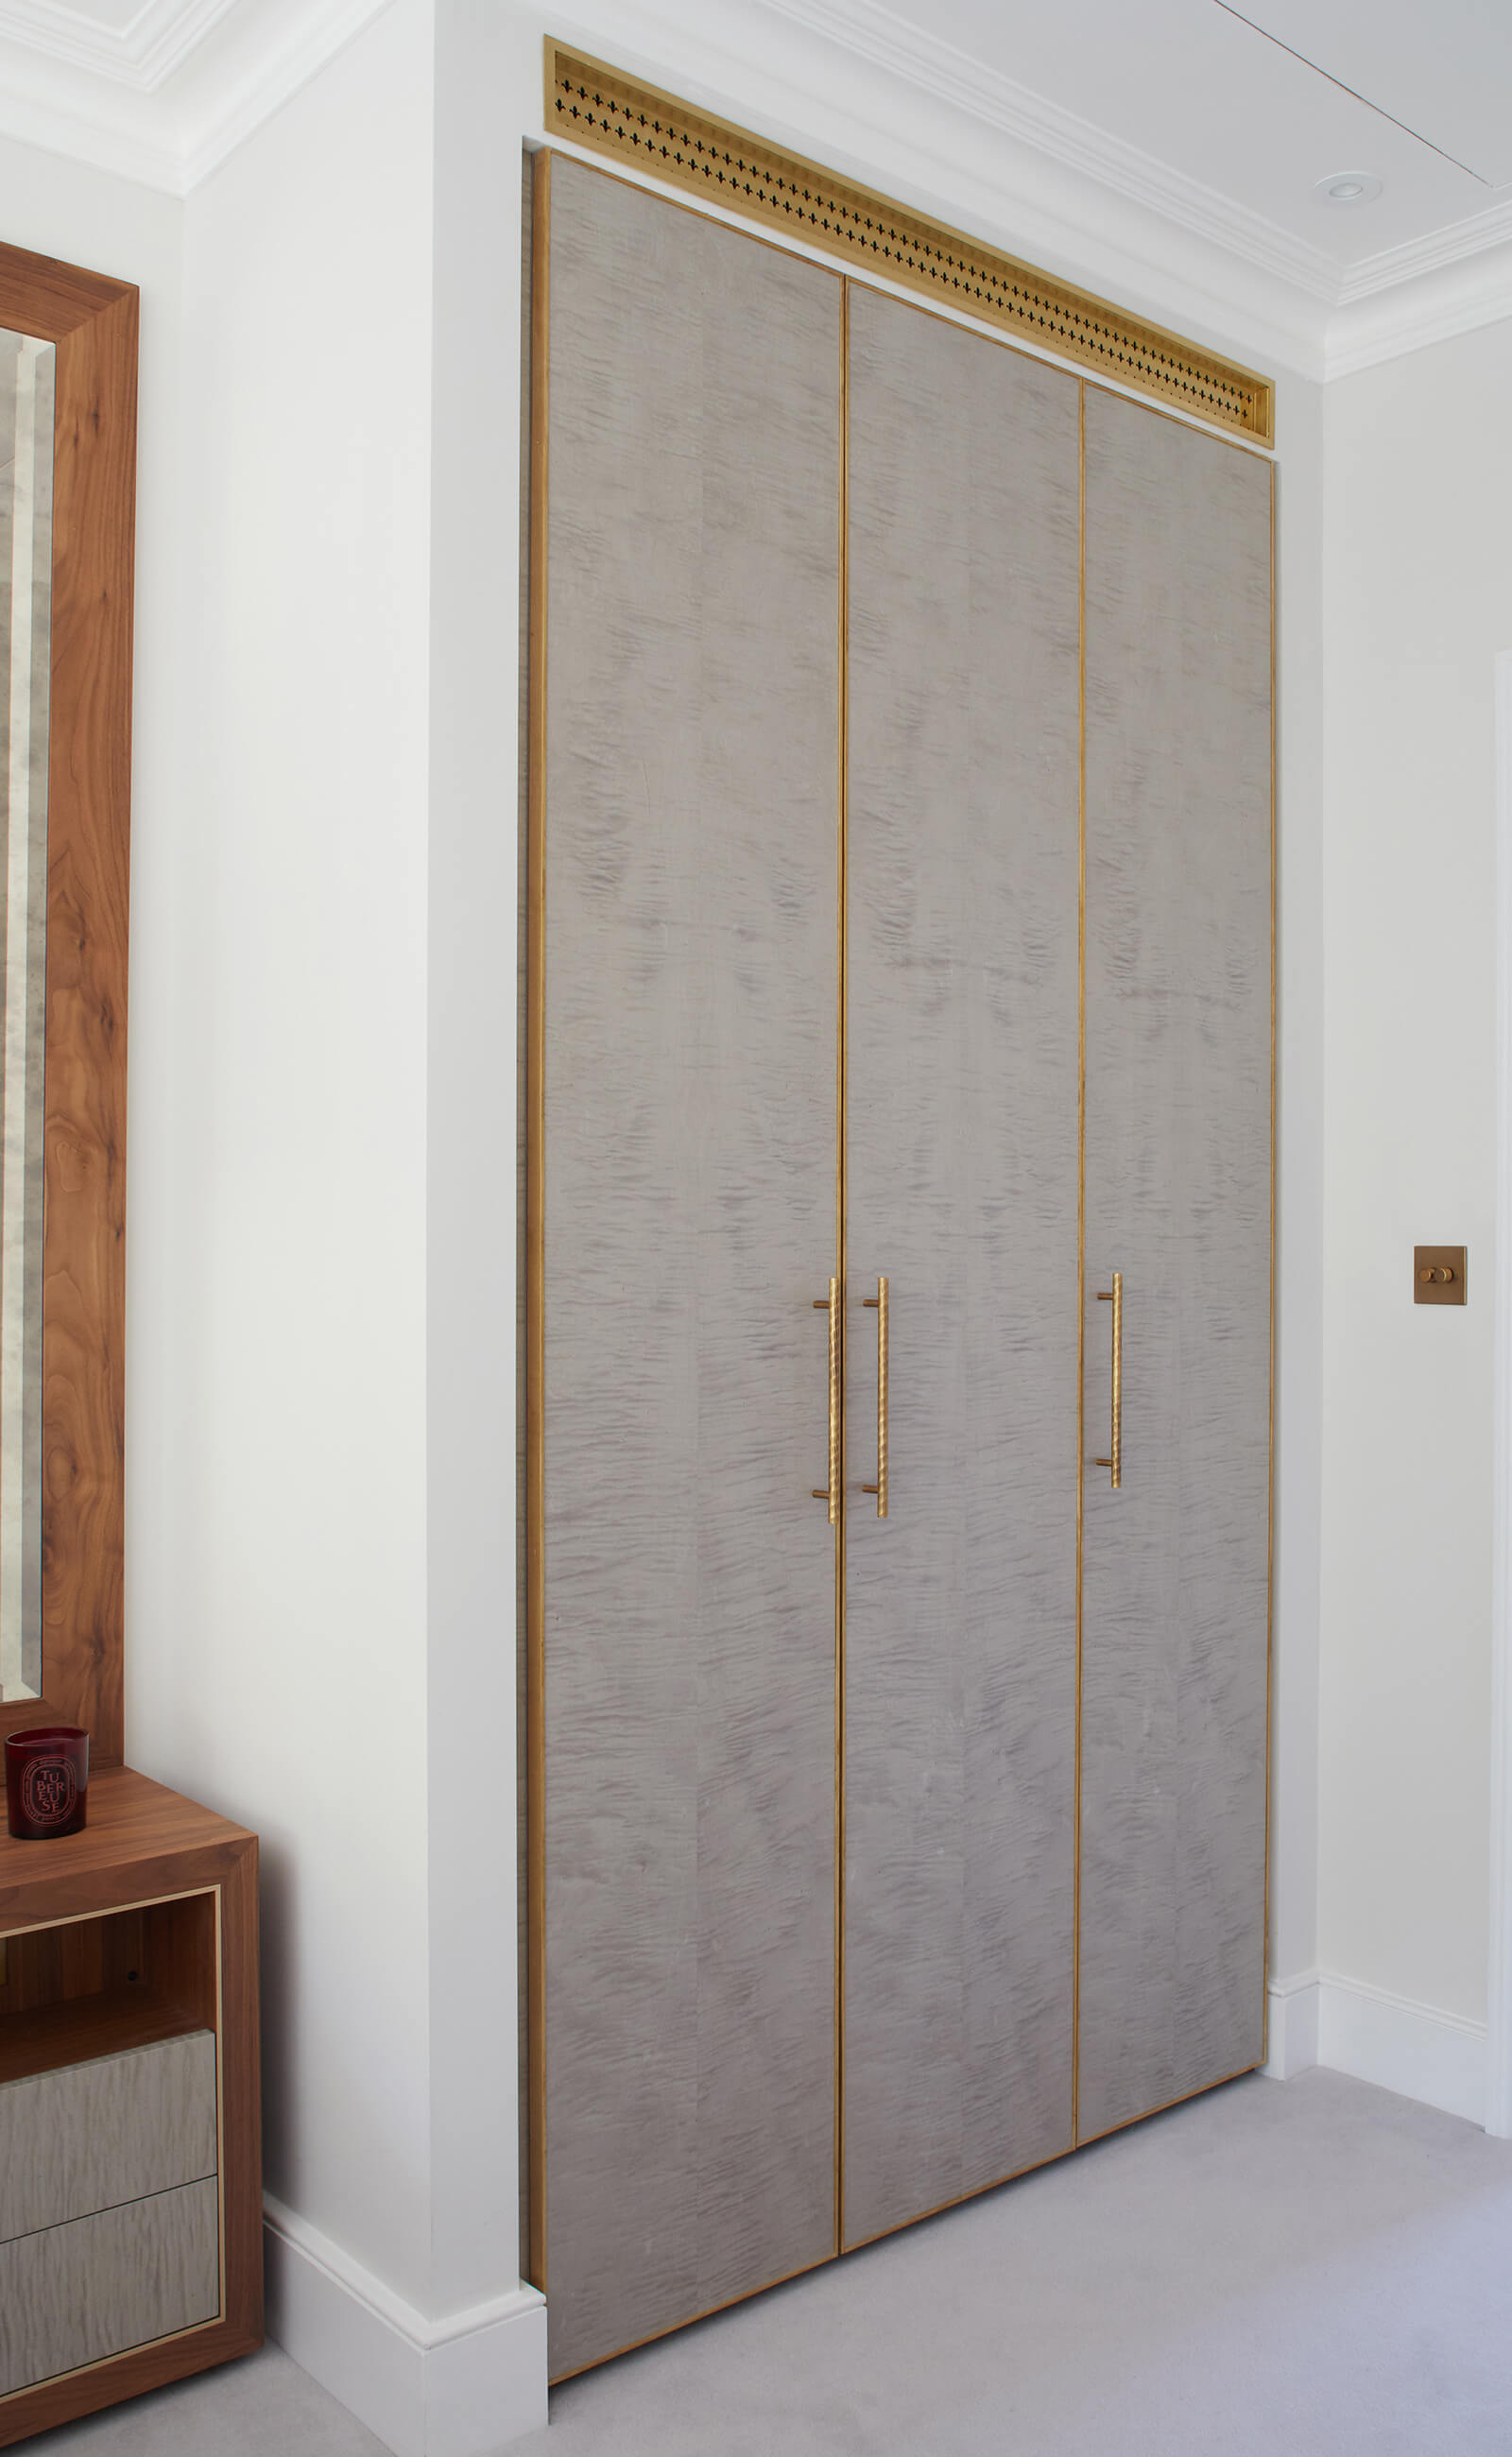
column 1459, row 295
column 866, row 118
column 44, row 103
column 141, row 53
column 1455, row 244
column 318, row 31
column 1428, row 289
column 187, row 80
column 166, row 98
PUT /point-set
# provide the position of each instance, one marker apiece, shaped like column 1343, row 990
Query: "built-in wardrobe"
column 898, row 1231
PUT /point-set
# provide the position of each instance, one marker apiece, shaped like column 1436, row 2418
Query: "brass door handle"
column 831, row 1493
column 1114, row 1296
column 880, row 1488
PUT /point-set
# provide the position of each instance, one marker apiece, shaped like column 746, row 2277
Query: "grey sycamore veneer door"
column 1178, row 1199
column 691, row 986
column 961, row 1606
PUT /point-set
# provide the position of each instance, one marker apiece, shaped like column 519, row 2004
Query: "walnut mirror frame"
column 91, row 320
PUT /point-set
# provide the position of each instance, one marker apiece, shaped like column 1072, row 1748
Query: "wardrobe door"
column 1176, row 1605
column 961, row 1107
column 687, row 1163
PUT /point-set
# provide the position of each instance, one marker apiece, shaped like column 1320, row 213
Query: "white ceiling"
column 1443, row 73
column 1217, row 100
column 1166, row 148
column 113, row 16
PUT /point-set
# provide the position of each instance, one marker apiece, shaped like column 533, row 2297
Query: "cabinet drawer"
column 74, row 2293
column 91, row 2136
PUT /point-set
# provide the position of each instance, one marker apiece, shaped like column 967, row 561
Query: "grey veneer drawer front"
column 95, row 2134
column 72, row 2295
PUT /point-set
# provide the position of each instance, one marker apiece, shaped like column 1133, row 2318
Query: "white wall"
column 1419, row 599
column 470, row 1291
column 278, row 1605
column 321, row 1276
column 321, row 1537
column 1298, row 1430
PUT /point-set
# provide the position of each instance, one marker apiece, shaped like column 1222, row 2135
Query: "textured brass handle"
column 880, row 1488
column 830, row 1305
column 1114, row 1296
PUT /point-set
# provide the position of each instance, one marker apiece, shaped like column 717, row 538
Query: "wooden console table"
column 131, row 2223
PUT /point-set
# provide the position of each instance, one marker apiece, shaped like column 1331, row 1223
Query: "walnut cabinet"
column 130, row 2168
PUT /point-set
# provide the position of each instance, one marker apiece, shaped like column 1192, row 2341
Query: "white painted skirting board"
column 466, row 2387
column 1318, row 2018
column 1292, row 2030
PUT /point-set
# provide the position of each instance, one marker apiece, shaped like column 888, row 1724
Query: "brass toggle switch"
column 1437, row 1275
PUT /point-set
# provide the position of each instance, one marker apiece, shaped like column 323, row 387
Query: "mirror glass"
column 27, row 369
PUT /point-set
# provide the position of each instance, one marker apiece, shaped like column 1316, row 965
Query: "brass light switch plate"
column 1437, row 1275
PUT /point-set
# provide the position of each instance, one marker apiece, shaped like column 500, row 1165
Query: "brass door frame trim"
column 590, row 104
column 1270, row 1453
column 1080, row 1236
column 841, row 1216
column 535, row 1221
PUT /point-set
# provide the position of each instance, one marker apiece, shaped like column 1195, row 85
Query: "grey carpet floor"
column 1314, row 2270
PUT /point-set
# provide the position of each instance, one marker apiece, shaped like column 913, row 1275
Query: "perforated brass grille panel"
column 596, row 107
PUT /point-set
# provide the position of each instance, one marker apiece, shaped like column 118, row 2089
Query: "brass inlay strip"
column 835, row 1403
column 535, row 1223
column 1270, row 1456
column 220, row 2100
column 1081, row 1233
column 841, row 1216
column 112, row 1910
column 591, row 105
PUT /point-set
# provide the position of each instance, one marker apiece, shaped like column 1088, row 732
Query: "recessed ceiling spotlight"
column 1347, row 188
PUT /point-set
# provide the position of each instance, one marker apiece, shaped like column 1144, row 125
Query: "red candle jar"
column 46, row 1780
